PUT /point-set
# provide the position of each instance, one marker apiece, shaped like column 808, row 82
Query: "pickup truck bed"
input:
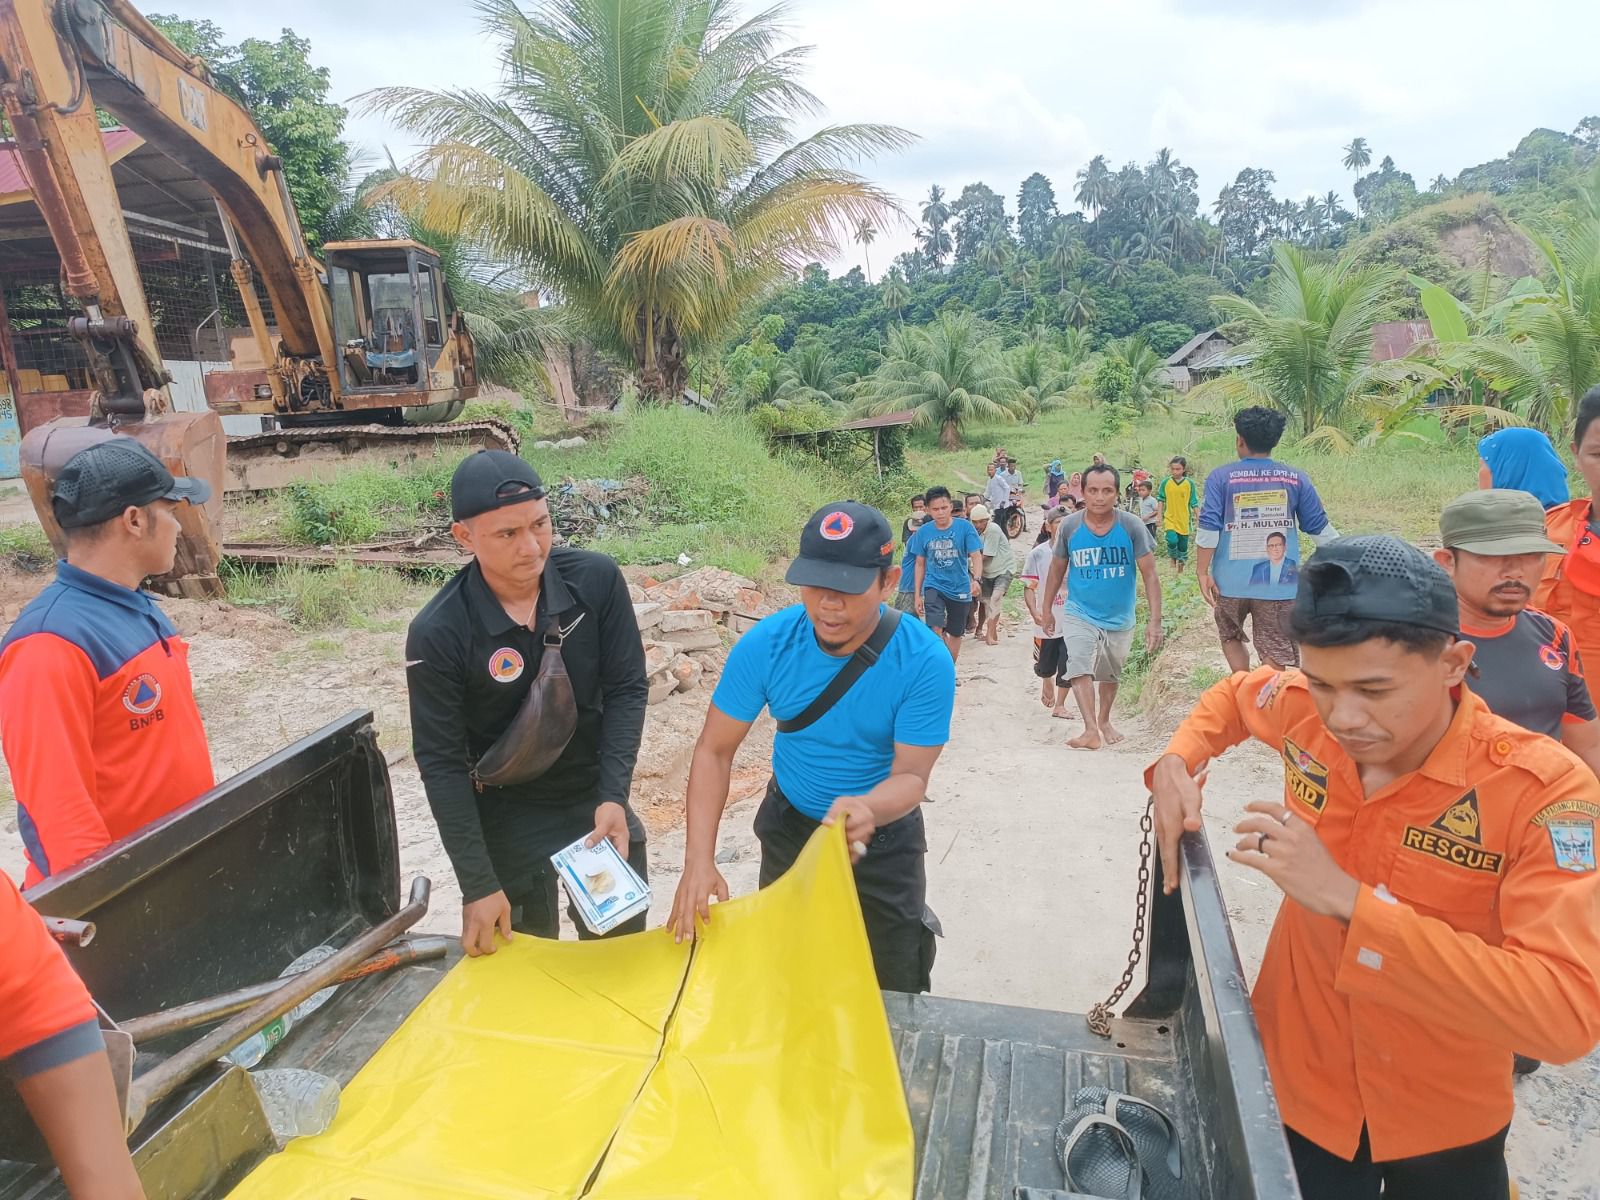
column 986, row 1084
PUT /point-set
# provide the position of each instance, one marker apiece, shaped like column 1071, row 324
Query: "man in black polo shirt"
column 473, row 654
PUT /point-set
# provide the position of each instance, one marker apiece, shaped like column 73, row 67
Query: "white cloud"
column 1000, row 89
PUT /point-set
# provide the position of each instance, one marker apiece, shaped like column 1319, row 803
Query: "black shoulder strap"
column 866, row 654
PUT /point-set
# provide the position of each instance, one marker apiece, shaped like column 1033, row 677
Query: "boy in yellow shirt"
column 1179, row 498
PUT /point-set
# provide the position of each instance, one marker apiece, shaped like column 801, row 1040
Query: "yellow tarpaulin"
column 760, row 1065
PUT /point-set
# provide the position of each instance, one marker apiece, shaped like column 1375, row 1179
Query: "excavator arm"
column 62, row 58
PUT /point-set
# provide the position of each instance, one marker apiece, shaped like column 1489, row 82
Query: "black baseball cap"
column 100, row 481
column 492, row 479
column 844, row 547
column 1376, row 577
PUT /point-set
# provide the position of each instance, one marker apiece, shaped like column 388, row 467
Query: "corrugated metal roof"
column 1396, row 339
column 904, row 417
column 14, row 184
column 1177, row 357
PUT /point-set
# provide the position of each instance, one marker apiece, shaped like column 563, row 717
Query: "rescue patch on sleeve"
column 1305, row 778
column 1269, row 691
column 1570, row 824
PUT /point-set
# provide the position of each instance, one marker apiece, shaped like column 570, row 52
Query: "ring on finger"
column 1261, row 843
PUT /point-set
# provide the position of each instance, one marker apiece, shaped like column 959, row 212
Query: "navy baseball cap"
column 102, row 480
column 492, row 479
column 1377, row 577
column 844, row 547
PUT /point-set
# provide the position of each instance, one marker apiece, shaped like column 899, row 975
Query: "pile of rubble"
column 688, row 622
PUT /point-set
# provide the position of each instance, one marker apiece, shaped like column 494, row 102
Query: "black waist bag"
column 542, row 727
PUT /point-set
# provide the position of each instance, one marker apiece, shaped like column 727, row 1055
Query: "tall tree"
column 1357, row 156
column 1095, row 187
column 288, row 97
column 866, row 234
column 1063, row 252
column 934, row 239
column 893, row 293
column 1036, row 212
column 951, row 375
column 975, row 214
column 639, row 161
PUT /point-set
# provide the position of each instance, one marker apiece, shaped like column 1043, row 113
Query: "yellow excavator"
column 360, row 355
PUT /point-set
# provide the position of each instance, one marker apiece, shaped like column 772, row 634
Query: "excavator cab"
column 389, row 315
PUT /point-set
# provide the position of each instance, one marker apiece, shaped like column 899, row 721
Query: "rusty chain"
column 1099, row 1017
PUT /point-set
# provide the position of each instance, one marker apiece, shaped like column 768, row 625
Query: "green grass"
column 1204, row 675
column 26, row 548
column 362, row 504
column 716, row 493
column 317, row 598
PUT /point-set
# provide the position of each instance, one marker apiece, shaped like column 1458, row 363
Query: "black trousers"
column 1472, row 1172
column 891, row 881
column 520, row 846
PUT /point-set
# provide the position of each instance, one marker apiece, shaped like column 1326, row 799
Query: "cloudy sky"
column 998, row 89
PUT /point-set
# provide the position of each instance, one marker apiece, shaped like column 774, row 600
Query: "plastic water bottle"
column 250, row 1052
column 297, row 1103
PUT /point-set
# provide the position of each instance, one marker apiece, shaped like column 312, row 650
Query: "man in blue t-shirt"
column 1247, row 561
column 1098, row 550
column 865, row 761
column 905, row 597
column 949, row 565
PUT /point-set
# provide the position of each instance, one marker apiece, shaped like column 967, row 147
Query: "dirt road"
column 1032, row 847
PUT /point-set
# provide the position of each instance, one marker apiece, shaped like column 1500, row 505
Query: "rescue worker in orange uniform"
column 51, row 1047
column 1442, row 906
column 97, row 711
column 1570, row 589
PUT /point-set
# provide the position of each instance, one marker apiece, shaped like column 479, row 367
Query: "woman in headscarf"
column 1053, row 479
column 1074, row 486
column 1524, row 461
column 1570, row 589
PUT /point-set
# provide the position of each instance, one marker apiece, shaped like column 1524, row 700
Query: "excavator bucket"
column 188, row 443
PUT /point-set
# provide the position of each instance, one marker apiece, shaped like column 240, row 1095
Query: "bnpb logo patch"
column 1551, row 656
column 141, row 695
column 505, row 665
column 836, row 526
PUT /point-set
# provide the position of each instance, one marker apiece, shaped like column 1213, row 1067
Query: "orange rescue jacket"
column 1476, row 933
column 1568, row 526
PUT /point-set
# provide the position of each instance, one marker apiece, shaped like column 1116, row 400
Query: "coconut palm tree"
column 1548, row 354
column 1078, row 308
column 866, row 234
column 1063, row 253
column 1025, row 274
column 994, row 252
column 1440, row 184
column 1357, row 157
column 893, row 293
column 810, row 375
column 1309, row 346
column 638, row 161
column 1036, row 367
column 1145, row 366
column 1096, row 185
column 1119, row 263
column 935, row 212
column 950, row 375
column 1331, row 208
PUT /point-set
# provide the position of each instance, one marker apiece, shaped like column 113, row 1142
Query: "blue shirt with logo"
column 1101, row 570
column 949, row 570
column 905, row 697
column 1250, row 514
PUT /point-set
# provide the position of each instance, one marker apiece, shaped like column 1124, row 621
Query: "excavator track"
column 265, row 462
